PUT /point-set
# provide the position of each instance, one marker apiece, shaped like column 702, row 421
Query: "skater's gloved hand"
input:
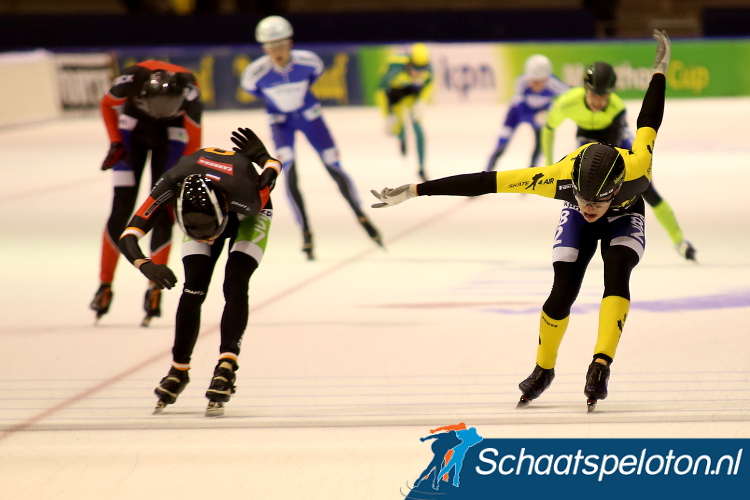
column 390, row 197
column 250, row 146
column 160, row 274
column 663, row 51
column 115, row 154
column 268, row 177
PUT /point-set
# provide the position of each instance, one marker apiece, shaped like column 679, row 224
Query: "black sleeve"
column 652, row 109
column 460, row 185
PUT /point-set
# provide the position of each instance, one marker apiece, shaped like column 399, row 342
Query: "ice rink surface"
column 349, row 359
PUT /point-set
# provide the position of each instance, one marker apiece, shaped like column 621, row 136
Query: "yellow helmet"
column 420, row 55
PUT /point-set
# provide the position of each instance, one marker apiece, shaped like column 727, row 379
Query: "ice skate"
column 535, row 384
column 102, row 300
column 371, row 231
column 686, row 250
column 221, row 388
column 307, row 245
column 152, row 305
column 422, row 174
column 596, row 384
column 170, row 387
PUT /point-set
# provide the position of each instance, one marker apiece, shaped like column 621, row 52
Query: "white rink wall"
column 28, row 88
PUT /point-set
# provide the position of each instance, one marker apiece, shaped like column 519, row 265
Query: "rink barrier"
column 463, row 72
column 28, row 88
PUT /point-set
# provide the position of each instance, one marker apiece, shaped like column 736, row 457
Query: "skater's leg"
column 537, row 146
column 666, row 217
column 506, row 132
column 246, row 254
column 198, row 261
column 126, row 178
column 572, row 251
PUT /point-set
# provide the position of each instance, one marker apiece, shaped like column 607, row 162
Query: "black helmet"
column 161, row 95
column 598, row 172
column 600, row 78
column 201, row 208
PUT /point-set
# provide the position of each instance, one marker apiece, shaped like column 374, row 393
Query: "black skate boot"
column 371, row 231
column 152, row 305
column 422, row 174
column 170, row 387
column 535, row 384
column 221, row 388
column 596, row 384
column 102, row 300
column 307, row 245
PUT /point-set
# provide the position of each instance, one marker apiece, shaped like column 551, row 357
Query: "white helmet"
column 273, row 29
column 538, row 67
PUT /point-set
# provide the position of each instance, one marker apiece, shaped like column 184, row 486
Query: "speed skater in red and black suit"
column 152, row 107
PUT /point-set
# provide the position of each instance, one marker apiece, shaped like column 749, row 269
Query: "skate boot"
column 102, row 300
column 221, row 388
column 307, row 245
column 535, row 384
column 170, row 387
column 371, row 231
column 152, row 305
column 686, row 250
column 422, row 174
column 596, row 384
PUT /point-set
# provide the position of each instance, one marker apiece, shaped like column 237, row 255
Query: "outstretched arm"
column 456, row 185
column 652, row 109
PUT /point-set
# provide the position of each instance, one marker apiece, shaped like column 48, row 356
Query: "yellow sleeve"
column 638, row 164
column 541, row 181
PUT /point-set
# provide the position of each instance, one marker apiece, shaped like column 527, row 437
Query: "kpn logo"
column 441, row 478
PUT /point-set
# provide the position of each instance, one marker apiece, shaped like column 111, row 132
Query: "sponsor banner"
column 462, row 72
column 460, row 463
column 219, row 69
column 698, row 68
column 83, row 79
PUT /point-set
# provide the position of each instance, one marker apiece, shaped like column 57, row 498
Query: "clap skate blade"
column 215, row 409
column 523, row 403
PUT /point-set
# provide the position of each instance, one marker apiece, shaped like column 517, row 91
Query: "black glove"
column 267, row 178
column 116, row 153
column 160, row 274
column 249, row 145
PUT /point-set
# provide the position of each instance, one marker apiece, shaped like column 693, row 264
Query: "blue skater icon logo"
column 443, row 473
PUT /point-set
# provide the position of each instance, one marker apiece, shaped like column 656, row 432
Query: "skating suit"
column 527, row 104
column 250, row 216
column 399, row 82
column 609, row 126
column 168, row 139
column 291, row 106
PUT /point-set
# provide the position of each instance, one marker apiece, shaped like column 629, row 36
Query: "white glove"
column 390, row 197
column 663, row 51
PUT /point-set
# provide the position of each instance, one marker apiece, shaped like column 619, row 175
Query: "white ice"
column 349, row 359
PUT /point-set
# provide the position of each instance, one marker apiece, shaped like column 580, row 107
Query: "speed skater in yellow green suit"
column 602, row 188
column 600, row 116
column 404, row 88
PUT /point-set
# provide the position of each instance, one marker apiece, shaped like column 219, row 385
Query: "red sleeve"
column 109, row 114
column 195, row 133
